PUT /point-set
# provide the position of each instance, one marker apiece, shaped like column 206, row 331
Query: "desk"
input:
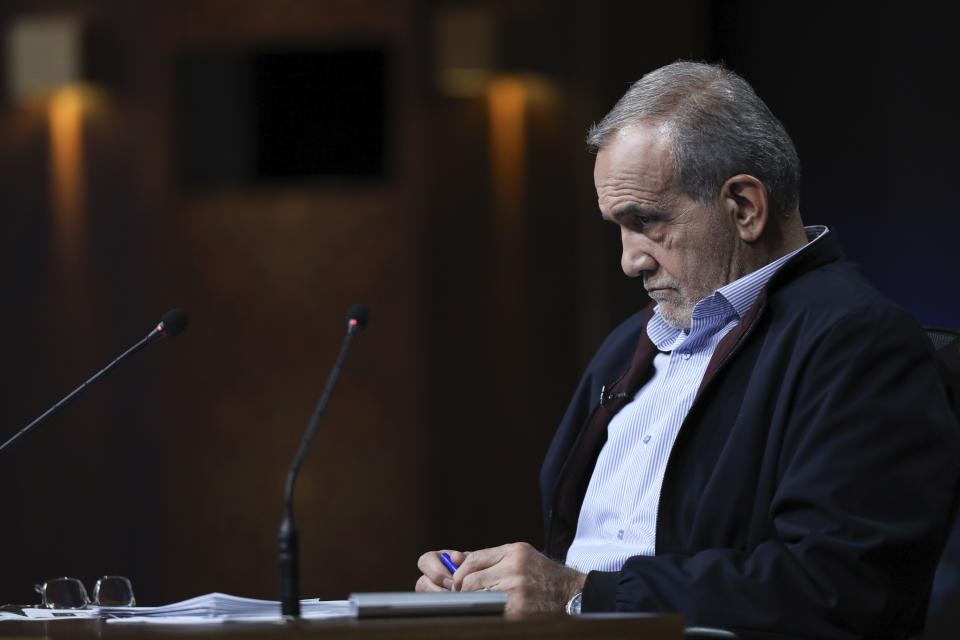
column 643, row 627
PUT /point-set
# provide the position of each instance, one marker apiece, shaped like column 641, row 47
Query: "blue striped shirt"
column 618, row 518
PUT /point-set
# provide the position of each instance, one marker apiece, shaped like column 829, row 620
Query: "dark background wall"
column 489, row 276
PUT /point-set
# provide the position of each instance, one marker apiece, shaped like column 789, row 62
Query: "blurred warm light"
column 506, row 101
column 44, row 68
column 66, row 110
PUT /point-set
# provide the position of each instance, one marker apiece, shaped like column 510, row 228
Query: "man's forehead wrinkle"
column 627, row 188
column 622, row 190
column 620, row 202
column 636, row 168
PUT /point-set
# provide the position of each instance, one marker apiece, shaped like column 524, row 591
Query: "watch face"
column 574, row 605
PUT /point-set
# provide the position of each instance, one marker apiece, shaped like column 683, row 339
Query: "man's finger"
column 491, row 578
column 432, row 567
column 478, row 561
column 484, row 558
column 425, row 584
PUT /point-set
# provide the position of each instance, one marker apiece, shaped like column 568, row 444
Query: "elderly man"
column 767, row 447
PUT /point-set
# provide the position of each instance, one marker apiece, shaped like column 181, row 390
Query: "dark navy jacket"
column 810, row 487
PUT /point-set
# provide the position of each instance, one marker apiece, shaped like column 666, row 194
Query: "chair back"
column 944, row 620
column 946, row 342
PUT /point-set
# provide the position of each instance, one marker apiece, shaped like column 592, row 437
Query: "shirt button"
column 646, row 439
column 620, row 534
column 685, row 355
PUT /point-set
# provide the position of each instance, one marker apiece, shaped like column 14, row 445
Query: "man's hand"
column 437, row 577
column 533, row 582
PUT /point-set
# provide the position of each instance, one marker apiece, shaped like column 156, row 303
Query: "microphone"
column 172, row 324
column 288, row 539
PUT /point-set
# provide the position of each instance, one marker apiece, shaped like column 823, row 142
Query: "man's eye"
column 643, row 220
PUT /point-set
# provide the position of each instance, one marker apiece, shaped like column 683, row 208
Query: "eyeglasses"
column 69, row 593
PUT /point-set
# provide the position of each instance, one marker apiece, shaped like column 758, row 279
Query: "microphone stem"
column 288, row 539
column 153, row 335
column 315, row 419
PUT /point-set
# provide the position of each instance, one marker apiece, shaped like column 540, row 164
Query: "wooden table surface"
column 645, row 627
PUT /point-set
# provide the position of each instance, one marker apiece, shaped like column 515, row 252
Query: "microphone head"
column 358, row 315
column 173, row 322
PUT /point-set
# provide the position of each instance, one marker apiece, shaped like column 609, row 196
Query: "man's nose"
column 634, row 260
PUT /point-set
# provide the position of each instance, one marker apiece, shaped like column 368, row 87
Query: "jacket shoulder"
column 838, row 292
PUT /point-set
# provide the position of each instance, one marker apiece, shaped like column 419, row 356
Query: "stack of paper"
column 213, row 607
column 26, row 612
column 221, row 607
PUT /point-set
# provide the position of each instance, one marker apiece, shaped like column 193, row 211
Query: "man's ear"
column 745, row 199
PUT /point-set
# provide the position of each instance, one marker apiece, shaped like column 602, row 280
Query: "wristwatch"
column 574, row 603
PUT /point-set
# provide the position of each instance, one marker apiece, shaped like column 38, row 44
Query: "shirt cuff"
column 600, row 591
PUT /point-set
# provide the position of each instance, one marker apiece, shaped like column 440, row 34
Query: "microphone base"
column 288, row 545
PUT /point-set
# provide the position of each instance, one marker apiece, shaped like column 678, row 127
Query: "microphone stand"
column 173, row 323
column 288, row 539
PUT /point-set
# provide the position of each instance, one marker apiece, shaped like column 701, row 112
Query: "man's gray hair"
column 719, row 126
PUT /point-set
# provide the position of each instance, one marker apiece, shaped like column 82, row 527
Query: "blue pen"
column 448, row 563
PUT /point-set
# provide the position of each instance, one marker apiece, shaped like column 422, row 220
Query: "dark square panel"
column 263, row 117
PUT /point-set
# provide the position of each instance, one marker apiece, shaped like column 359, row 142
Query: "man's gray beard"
column 677, row 318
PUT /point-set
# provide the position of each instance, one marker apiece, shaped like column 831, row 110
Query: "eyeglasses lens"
column 64, row 593
column 113, row 591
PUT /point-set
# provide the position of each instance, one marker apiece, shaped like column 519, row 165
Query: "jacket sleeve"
column 867, row 476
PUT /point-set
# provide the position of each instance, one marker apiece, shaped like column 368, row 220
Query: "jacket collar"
column 824, row 251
